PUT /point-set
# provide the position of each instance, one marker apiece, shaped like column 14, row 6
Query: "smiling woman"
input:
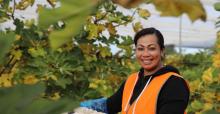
column 155, row 89
column 149, row 50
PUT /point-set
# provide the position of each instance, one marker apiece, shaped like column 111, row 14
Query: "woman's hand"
column 96, row 104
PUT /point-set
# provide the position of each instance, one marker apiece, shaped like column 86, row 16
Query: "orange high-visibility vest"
column 146, row 103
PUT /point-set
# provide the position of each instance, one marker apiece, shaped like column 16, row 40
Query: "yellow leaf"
column 17, row 54
column 93, row 85
column 137, row 26
column 55, row 96
column 216, row 60
column 194, row 85
column 23, row 4
column 207, row 76
column 39, row 7
column 207, row 106
column 208, row 97
column 143, row 13
column 111, row 29
column 93, row 31
column 90, row 58
column 104, row 51
column 193, row 8
column 5, row 80
column 53, row 77
column 37, row 52
column 17, row 37
column 218, row 97
column 86, row 48
column 30, row 79
column 101, row 28
column 128, row 3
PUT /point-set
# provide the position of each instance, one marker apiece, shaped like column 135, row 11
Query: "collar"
column 163, row 70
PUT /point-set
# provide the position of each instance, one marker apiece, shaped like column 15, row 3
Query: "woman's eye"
column 152, row 48
column 140, row 49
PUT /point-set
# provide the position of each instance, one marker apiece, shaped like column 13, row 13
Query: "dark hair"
column 150, row 31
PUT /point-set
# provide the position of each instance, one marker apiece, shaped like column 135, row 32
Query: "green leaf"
column 193, row 8
column 26, row 99
column 211, row 112
column 6, row 41
column 37, row 52
column 72, row 12
column 217, row 6
column 5, row 3
column 105, row 51
column 93, row 31
column 63, row 82
column 44, row 106
column 12, row 100
column 197, row 105
column 4, row 16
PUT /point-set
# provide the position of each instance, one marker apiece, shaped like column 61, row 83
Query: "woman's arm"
column 174, row 96
column 114, row 102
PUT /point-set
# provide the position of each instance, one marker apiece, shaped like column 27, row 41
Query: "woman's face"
column 148, row 53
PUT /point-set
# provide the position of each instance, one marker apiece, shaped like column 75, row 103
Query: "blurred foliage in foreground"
column 27, row 99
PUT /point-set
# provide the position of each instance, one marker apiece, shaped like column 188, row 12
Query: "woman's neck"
column 150, row 72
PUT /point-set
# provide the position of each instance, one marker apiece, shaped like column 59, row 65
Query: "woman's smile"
column 148, row 53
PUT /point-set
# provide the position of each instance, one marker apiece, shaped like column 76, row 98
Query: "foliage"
column 171, row 7
column 73, row 13
column 177, row 8
column 217, row 6
column 202, row 73
column 5, row 43
column 206, row 97
column 26, row 99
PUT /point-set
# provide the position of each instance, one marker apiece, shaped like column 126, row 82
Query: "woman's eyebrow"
column 147, row 45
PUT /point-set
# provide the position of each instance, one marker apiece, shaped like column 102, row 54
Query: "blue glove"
column 99, row 105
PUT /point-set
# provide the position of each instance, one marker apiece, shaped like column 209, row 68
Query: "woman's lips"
column 146, row 61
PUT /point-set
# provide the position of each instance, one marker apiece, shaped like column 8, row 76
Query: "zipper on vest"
column 128, row 109
column 135, row 102
column 128, row 104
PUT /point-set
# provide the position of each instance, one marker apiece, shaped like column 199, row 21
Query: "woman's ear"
column 163, row 54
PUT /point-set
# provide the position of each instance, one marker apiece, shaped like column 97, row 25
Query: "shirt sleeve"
column 114, row 102
column 173, row 97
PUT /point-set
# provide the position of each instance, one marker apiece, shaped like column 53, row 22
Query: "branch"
column 97, row 20
column 127, row 21
column 13, row 11
column 4, row 67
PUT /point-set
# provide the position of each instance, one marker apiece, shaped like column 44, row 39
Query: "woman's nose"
column 145, row 53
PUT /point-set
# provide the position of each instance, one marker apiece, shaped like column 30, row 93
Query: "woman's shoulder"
column 175, row 86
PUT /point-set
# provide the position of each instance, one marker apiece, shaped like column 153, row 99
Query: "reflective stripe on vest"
column 146, row 103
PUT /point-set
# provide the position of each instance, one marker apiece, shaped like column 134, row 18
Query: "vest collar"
column 161, row 71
